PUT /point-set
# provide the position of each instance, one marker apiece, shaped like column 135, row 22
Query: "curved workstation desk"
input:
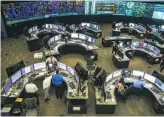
column 152, row 85
column 131, row 28
column 109, row 41
column 77, row 43
column 92, row 29
column 122, row 55
column 14, row 86
column 35, row 35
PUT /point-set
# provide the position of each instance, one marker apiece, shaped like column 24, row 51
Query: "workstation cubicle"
column 14, row 85
column 75, row 43
column 123, row 53
column 155, row 88
column 131, row 28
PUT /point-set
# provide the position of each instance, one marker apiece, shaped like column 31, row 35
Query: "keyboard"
column 71, row 84
column 155, row 90
column 63, row 74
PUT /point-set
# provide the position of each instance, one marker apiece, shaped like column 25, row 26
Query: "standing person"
column 162, row 64
column 57, row 81
column 46, row 86
column 31, row 90
column 51, row 63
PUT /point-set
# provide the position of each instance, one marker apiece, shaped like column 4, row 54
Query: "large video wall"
column 24, row 11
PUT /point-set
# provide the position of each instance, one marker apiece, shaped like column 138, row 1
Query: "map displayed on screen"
column 158, row 12
column 104, row 7
column 24, row 11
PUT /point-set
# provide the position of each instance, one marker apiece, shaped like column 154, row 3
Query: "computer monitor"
column 27, row 70
column 159, row 84
column 83, row 24
column 16, row 76
column 40, row 65
column 74, row 35
column 71, row 70
column 109, row 77
column 135, row 44
column 76, row 76
column 138, row 73
column 89, row 39
column 150, row 78
column 62, row 66
column 145, row 45
column 8, row 85
column 35, row 28
column 152, row 48
column 156, row 51
column 30, row 30
column 51, row 67
column 117, row 73
column 82, row 36
column 47, row 25
column 88, row 24
column 149, row 47
column 141, row 44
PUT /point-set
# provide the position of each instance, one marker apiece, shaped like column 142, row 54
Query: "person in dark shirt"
column 57, row 81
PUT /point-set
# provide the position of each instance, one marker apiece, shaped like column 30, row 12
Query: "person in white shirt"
column 46, row 86
column 51, row 60
column 31, row 90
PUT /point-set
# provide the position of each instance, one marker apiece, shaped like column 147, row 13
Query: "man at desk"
column 138, row 83
column 57, row 81
column 31, row 90
column 46, row 86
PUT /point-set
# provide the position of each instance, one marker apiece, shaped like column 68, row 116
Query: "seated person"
column 122, row 80
column 122, row 91
column 138, row 83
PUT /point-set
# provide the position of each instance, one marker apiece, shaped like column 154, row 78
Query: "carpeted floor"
column 14, row 50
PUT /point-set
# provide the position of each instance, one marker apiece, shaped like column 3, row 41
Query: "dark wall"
column 18, row 28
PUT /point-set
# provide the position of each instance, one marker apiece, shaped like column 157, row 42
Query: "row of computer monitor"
column 132, row 25
column 158, row 28
column 140, row 44
column 54, row 26
column 47, row 26
column 24, row 71
column 137, row 73
column 73, row 36
column 90, row 25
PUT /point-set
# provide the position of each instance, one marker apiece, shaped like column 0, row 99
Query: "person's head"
column 139, row 77
column 51, row 57
column 57, row 71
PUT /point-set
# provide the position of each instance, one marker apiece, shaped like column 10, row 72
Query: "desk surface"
column 110, row 80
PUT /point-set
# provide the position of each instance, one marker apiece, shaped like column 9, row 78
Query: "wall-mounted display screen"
column 16, row 76
column 158, row 12
column 104, row 7
column 24, row 11
column 21, row 11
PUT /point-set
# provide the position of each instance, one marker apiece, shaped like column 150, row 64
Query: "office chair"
column 31, row 106
column 90, row 66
